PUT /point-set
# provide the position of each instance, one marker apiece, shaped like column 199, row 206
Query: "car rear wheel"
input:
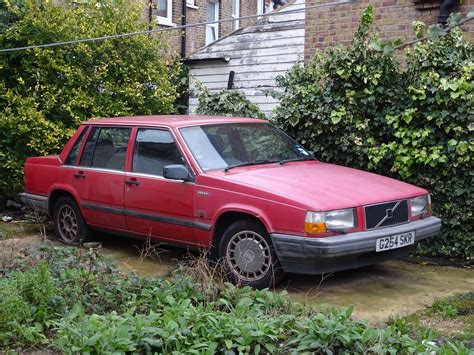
column 247, row 254
column 68, row 222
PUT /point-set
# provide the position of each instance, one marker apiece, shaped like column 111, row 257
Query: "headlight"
column 420, row 205
column 319, row 222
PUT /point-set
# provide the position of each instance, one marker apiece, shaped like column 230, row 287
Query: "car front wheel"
column 69, row 224
column 248, row 256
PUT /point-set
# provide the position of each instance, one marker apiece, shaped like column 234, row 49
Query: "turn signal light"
column 314, row 227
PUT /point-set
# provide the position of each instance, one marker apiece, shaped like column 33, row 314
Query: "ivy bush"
column 359, row 107
column 225, row 103
column 45, row 93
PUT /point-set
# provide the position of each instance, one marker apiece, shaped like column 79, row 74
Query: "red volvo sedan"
column 240, row 186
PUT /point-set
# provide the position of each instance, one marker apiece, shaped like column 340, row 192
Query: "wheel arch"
column 226, row 218
column 55, row 195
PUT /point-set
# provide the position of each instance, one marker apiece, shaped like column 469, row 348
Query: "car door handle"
column 79, row 175
column 133, row 181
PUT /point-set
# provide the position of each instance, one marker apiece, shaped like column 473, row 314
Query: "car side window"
column 154, row 149
column 106, row 148
column 72, row 157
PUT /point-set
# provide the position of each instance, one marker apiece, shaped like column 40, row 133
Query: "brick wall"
column 327, row 27
column 247, row 8
column 196, row 36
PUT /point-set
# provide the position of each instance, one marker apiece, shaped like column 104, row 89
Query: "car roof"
column 172, row 120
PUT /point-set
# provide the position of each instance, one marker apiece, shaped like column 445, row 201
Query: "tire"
column 69, row 224
column 248, row 256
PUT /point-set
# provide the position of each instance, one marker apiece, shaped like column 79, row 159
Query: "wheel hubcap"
column 248, row 255
column 67, row 224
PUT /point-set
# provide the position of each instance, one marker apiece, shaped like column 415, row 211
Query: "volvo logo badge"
column 388, row 214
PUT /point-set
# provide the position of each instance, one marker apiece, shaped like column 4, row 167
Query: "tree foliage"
column 357, row 106
column 45, row 93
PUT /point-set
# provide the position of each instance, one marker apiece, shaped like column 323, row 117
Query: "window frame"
column 261, row 7
column 213, row 25
column 100, row 127
column 235, row 15
column 168, row 20
column 191, row 4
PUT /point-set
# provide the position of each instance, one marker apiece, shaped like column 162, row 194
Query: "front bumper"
column 306, row 255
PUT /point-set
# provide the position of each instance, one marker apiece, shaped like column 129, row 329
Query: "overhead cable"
column 174, row 28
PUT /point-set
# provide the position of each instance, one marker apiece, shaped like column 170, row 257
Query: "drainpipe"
column 445, row 9
column 183, row 33
column 150, row 15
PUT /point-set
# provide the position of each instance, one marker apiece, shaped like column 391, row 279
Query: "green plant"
column 225, row 103
column 75, row 300
column 444, row 309
column 45, row 93
column 27, row 302
column 359, row 107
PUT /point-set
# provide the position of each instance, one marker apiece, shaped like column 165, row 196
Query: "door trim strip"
column 101, row 208
column 149, row 216
column 171, row 220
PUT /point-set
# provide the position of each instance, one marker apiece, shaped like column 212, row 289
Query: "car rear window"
column 106, row 148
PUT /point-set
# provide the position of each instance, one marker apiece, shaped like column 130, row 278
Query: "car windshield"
column 227, row 145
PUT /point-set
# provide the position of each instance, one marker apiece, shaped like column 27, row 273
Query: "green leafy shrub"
column 46, row 93
column 225, row 103
column 359, row 107
column 76, row 301
column 444, row 309
column 27, row 302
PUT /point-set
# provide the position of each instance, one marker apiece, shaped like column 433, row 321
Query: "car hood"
column 320, row 186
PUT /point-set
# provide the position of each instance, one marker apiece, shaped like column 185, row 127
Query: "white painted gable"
column 257, row 54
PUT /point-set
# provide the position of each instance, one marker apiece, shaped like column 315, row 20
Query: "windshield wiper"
column 253, row 162
column 296, row 159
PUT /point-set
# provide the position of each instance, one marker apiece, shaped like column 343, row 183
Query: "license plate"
column 395, row 241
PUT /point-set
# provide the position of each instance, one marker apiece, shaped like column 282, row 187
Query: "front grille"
column 386, row 214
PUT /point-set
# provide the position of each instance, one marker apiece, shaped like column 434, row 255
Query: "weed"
column 150, row 249
column 444, row 309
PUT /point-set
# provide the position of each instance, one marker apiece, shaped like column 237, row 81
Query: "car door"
column 156, row 206
column 99, row 177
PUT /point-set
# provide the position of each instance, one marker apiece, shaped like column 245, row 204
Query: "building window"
column 212, row 29
column 235, row 14
column 164, row 12
column 191, row 3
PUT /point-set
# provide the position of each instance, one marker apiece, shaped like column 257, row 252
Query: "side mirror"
column 177, row 172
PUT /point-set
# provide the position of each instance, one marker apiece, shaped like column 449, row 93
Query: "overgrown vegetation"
column 71, row 299
column 225, row 103
column 448, row 318
column 357, row 106
column 46, row 93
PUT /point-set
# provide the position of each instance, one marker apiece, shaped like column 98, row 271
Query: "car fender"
column 246, row 209
column 63, row 187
